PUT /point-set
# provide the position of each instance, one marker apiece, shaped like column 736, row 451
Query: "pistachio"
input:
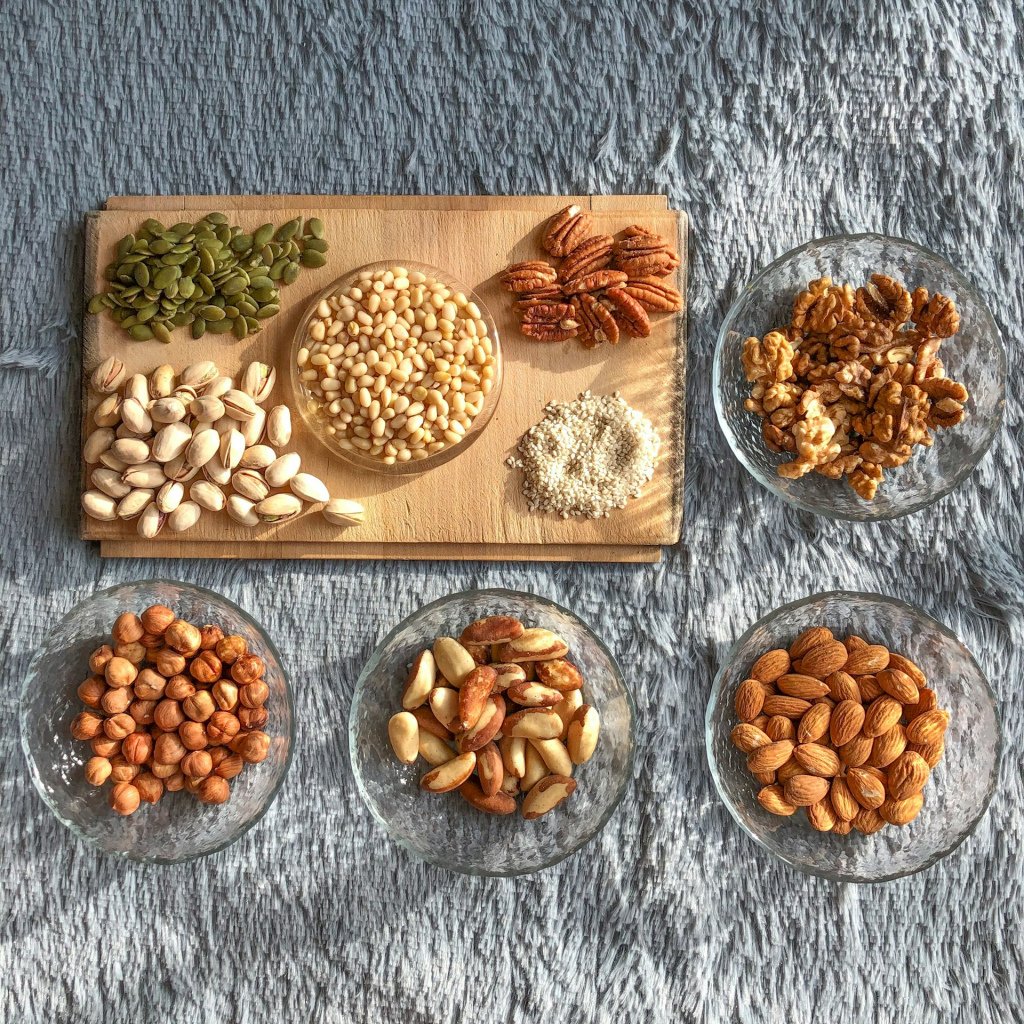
column 138, row 388
column 281, row 470
column 124, row 431
column 167, row 410
column 171, row 441
column 184, row 517
column 343, row 512
column 258, row 381
column 242, row 510
column 250, row 484
column 151, row 522
column 135, row 417
column 207, row 409
column 279, row 426
column 149, row 474
column 99, row 441
column 161, row 381
column 218, row 387
column 98, row 505
column 108, row 412
column 134, row 503
column 169, row 497
column 216, row 472
column 180, row 469
column 278, row 508
column 107, row 377
column 309, row 488
column 186, row 394
column 111, row 461
column 252, row 429
column 199, row 375
column 207, row 495
column 259, row 456
column 232, row 448
column 131, row 450
column 109, row 482
column 203, row 446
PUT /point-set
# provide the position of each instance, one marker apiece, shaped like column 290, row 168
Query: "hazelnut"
column 205, row 667
column 97, row 771
column 210, row 636
column 225, row 695
column 174, row 783
column 103, row 746
column 231, row 766
column 214, row 790
column 193, row 735
column 168, row 715
column 169, row 749
column 222, row 727
column 120, row 672
column 182, row 636
column 117, row 727
column 156, row 618
column 122, row 770
column 252, row 746
column 124, row 798
column 99, row 658
column 135, row 653
column 152, row 643
column 169, row 663
column 247, row 669
column 136, row 748
column 149, row 685
column 252, row 718
column 142, row 711
column 86, row 725
column 192, row 784
column 254, row 695
column 199, row 706
column 179, row 687
column 217, row 754
column 197, row 764
column 231, row 648
column 116, row 701
column 127, row 628
column 91, row 691
column 150, row 787
column 163, row 771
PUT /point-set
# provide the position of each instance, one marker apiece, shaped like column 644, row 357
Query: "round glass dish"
column 960, row 787
column 178, row 827
column 445, row 830
column 316, row 421
column 974, row 356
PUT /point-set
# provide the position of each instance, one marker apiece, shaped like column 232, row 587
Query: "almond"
column 788, row 707
column 404, row 734
column 926, row 701
column 842, row 828
column 770, row 666
column 822, row 660
column 906, row 666
column 907, row 775
column 866, row 788
column 534, row 724
column 842, row 686
column 814, row 724
column 779, row 728
column 495, row 629
column 822, row 815
column 473, row 694
column 449, row 775
column 488, row 725
column 513, row 755
column 809, row 638
column 534, row 645
column 747, row 737
column 489, row 769
column 846, row 722
column 868, row 821
column 857, row 751
column 817, row 760
column 843, row 801
column 583, row 732
column 498, row 803
column 454, row 662
column 931, row 752
column 807, row 687
column 420, row 681
column 770, row 757
column 898, row 685
column 887, row 747
column 546, row 795
column 855, row 643
column 750, row 698
column 507, row 675
column 929, row 727
column 426, row 719
column 444, row 703
column 560, row 675
column 764, row 778
column 882, row 714
column 869, row 688
column 773, row 800
column 867, row 660
column 788, row 770
column 534, row 695
column 555, row 756
column 902, row 812
column 804, row 790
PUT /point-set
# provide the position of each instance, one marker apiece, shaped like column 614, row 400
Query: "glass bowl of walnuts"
column 854, row 737
column 441, row 826
column 157, row 721
column 859, row 377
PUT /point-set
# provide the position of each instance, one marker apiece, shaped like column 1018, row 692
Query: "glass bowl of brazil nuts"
column 397, row 367
column 859, row 377
column 876, row 838
column 443, row 827
column 179, row 826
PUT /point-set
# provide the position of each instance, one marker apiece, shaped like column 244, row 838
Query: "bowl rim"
column 829, row 512
column 34, row 773
column 717, row 692
column 446, row 455
column 371, row 665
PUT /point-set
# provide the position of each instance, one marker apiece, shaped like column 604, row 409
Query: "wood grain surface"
column 470, row 508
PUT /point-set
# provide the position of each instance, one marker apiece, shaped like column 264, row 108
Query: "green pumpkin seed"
column 205, row 283
column 154, row 227
column 312, row 258
column 234, row 285
column 316, row 245
column 267, row 311
column 96, row 303
column 239, row 328
column 263, row 295
column 263, row 234
column 161, row 333
column 198, row 327
column 245, row 307
column 161, row 246
column 147, row 312
column 216, row 218
column 252, row 324
column 286, row 231
column 183, row 318
column 241, row 243
column 190, row 266
column 186, row 287
column 125, row 246
column 211, row 313
column 291, row 272
column 219, row 326
column 127, row 320
column 315, row 226
column 140, row 332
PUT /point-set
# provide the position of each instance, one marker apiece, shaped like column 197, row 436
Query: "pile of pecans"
column 854, row 381
column 848, row 730
column 171, row 706
column 455, row 702
column 603, row 288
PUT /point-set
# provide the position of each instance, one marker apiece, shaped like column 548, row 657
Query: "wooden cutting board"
column 470, row 508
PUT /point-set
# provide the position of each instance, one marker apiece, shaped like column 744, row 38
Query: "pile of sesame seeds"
column 586, row 457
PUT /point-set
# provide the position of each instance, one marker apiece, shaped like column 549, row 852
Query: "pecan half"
column 566, row 229
column 594, row 253
column 644, row 255
column 631, row 316
column 528, row 276
column 595, row 282
column 597, row 323
column 884, row 299
column 540, row 297
column 654, row 295
column 553, row 321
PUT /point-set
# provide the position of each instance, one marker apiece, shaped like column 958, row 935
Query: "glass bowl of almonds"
column 539, row 812
column 397, row 367
column 859, row 377
column 195, row 786
column 854, row 737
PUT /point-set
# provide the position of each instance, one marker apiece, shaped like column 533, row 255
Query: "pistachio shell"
column 184, row 517
column 151, row 522
column 203, row 446
column 107, row 377
column 238, row 405
column 169, row 497
column 242, row 510
column 180, row 469
column 138, row 388
column 98, row 505
column 309, row 488
column 207, row 409
column 258, row 381
column 198, row 375
column 279, row 426
column 132, row 451
column 135, row 417
column 167, row 410
column 281, row 470
column 161, row 381
column 278, row 508
column 171, row 441
column 252, row 429
column 343, row 512
column 218, row 387
column 186, row 394
column 232, row 448
column 149, row 474
column 111, row 461
column 108, row 412
column 109, row 482
column 134, row 504
column 96, row 444
column 207, row 495
column 250, row 484
column 216, row 471
column 259, row 456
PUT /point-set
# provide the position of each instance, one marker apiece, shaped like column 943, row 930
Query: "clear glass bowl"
column 974, row 356
column 314, row 420
column 178, row 827
column 960, row 786
column 445, row 829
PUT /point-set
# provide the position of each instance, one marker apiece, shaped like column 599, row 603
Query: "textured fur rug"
column 770, row 123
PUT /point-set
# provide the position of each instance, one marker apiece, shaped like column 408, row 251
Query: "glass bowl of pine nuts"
column 397, row 367
column 894, row 799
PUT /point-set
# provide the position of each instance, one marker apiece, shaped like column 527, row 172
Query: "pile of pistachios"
column 209, row 275
column 156, row 436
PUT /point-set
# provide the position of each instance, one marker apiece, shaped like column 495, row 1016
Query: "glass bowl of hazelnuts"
column 157, row 721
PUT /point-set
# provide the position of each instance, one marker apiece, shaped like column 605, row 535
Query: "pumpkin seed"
column 312, row 258
column 198, row 327
column 315, row 226
column 161, row 333
column 96, row 303
column 262, row 235
column 286, row 231
column 140, row 332
column 290, row 273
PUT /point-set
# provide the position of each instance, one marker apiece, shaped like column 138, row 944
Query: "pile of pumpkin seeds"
column 208, row 275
